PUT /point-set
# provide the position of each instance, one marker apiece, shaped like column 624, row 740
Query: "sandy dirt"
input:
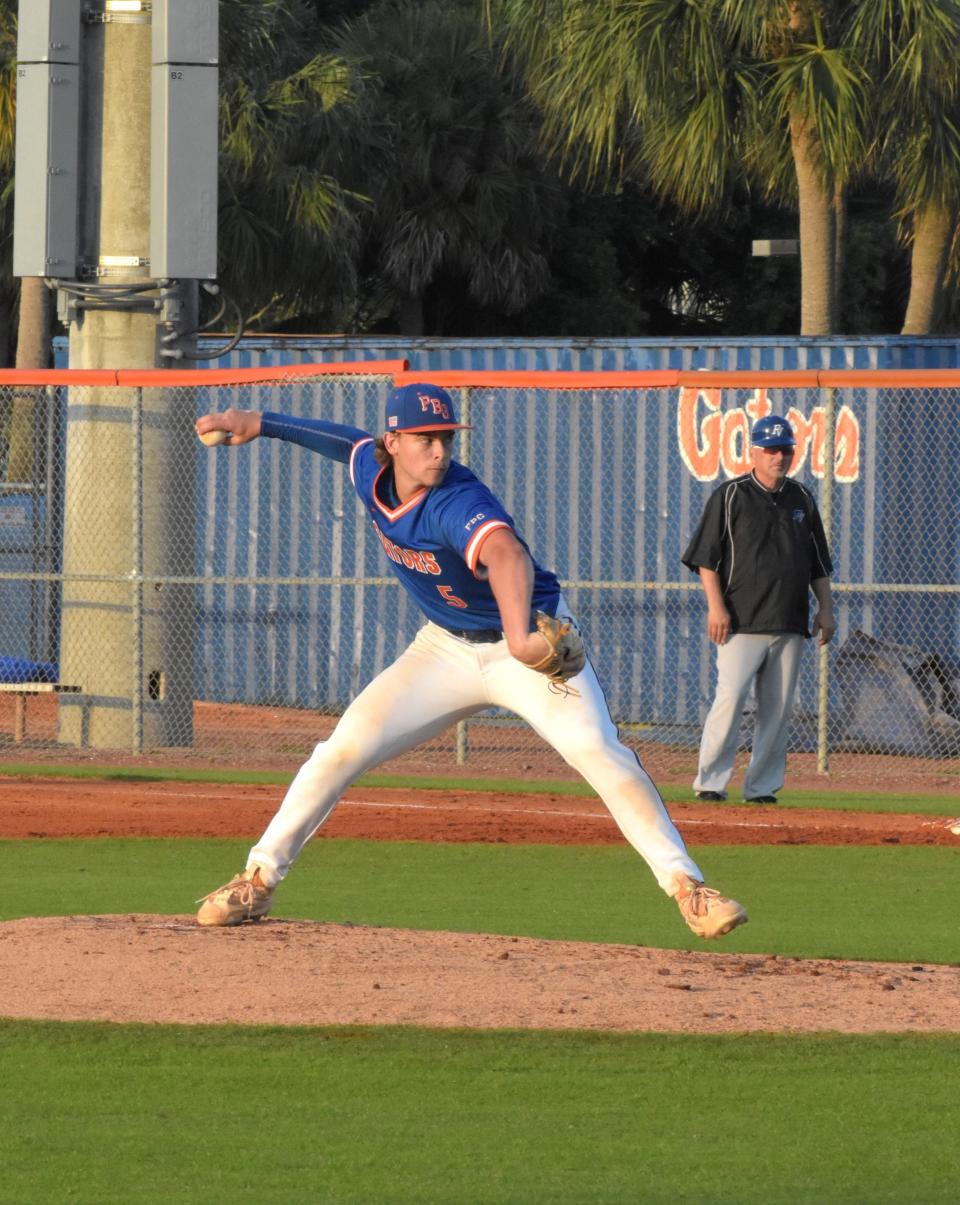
column 168, row 969
column 75, row 808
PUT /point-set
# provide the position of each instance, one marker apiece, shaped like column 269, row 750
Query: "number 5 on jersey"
column 450, row 598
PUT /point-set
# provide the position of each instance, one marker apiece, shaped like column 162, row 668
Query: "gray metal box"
column 184, row 140
column 45, row 239
column 186, row 31
column 775, row 246
column 48, row 31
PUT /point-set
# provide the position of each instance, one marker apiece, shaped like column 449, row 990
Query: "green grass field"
column 874, row 902
column 149, row 1113
column 165, row 1114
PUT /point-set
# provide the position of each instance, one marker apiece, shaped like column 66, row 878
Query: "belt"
column 479, row 636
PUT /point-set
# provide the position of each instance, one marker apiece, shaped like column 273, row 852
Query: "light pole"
column 125, row 257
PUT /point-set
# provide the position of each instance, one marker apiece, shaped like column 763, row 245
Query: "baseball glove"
column 566, row 657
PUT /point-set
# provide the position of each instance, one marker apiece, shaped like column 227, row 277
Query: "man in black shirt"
column 759, row 549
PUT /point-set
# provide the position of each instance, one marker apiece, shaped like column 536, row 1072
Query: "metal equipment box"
column 186, row 31
column 45, row 203
column 48, row 31
column 183, row 172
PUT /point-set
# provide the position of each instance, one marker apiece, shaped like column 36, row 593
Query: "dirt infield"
column 152, row 968
column 78, row 808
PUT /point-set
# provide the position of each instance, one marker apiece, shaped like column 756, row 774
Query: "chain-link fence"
column 161, row 598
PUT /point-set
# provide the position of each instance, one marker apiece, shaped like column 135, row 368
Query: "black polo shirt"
column 767, row 546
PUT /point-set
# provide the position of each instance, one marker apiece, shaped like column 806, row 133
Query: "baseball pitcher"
column 498, row 634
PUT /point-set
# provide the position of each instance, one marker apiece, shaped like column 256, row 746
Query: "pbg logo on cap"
column 391, row 420
column 439, row 408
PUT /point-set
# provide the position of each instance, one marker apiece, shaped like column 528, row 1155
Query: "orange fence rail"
column 160, row 377
column 401, row 374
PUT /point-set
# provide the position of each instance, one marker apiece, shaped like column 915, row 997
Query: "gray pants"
column 772, row 663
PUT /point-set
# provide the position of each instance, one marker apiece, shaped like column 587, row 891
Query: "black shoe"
column 761, row 799
column 711, row 796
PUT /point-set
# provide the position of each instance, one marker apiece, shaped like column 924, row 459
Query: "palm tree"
column 910, row 46
column 287, row 227
column 446, row 151
column 693, row 95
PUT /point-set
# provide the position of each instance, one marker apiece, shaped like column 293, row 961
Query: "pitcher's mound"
column 168, row 969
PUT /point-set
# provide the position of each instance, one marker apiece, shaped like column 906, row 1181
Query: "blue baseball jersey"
column 434, row 539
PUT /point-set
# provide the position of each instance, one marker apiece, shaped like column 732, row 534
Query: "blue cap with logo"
column 772, row 432
column 420, row 407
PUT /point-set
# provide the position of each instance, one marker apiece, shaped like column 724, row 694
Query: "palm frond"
column 926, row 165
column 826, row 88
column 692, row 152
column 595, row 68
column 325, row 80
column 911, row 44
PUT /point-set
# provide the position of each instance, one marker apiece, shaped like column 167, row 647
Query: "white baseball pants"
column 440, row 679
column 772, row 663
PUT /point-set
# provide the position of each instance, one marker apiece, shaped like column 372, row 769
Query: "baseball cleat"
column 245, row 898
column 708, row 913
column 712, row 796
column 761, row 799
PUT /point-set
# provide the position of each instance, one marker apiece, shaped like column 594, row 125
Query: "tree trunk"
column 33, row 335
column 818, row 234
column 932, row 232
column 33, row 351
column 8, row 309
column 839, row 253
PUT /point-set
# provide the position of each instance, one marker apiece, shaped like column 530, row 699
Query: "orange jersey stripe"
column 472, row 552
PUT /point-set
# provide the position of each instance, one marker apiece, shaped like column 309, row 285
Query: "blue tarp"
column 18, row 669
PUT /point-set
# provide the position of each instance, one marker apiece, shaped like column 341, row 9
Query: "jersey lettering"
column 422, row 562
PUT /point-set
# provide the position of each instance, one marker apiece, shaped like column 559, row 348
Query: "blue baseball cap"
column 772, row 432
column 420, row 407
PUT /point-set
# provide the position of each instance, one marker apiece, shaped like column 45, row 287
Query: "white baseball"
column 212, row 438
column 955, row 829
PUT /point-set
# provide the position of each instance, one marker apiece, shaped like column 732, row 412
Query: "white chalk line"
column 443, row 807
column 217, row 793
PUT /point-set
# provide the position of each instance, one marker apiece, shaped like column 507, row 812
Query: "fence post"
column 136, row 573
column 54, row 439
column 463, row 745
column 826, row 513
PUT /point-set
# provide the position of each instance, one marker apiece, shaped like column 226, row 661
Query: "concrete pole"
column 127, row 644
